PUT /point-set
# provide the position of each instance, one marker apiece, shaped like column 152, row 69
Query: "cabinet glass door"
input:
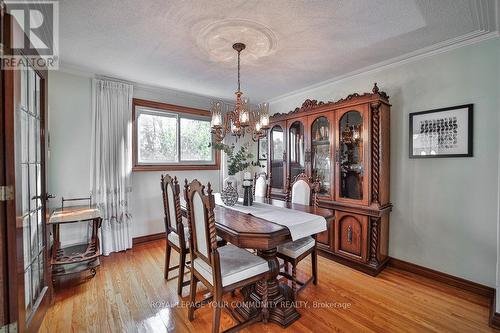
column 350, row 156
column 277, row 139
column 296, row 150
column 321, row 168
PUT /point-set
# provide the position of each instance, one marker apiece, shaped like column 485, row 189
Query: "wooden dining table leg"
column 280, row 307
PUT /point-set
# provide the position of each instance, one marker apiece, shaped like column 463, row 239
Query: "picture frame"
column 445, row 132
column 262, row 149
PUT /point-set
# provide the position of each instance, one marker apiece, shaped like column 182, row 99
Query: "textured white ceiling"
column 292, row 44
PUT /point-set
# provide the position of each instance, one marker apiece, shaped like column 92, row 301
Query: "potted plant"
column 238, row 160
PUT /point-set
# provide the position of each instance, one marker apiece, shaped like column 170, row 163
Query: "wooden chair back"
column 261, row 186
column 302, row 190
column 201, row 221
column 172, row 207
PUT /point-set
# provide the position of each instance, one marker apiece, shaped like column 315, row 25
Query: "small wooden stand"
column 80, row 257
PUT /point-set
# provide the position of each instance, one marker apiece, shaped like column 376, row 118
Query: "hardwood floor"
column 129, row 294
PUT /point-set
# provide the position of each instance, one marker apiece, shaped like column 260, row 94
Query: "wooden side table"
column 80, row 257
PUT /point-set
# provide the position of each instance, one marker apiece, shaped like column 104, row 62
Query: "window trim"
column 190, row 113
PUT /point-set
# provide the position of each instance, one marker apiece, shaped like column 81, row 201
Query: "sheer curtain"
column 111, row 161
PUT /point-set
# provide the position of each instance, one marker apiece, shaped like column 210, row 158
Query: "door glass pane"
column 351, row 155
column 32, row 138
column 31, row 90
column 320, row 154
column 23, row 118
column 26, row 241
column 35, row 278
column 296, row 149
column 25, row 188
column 24, row 87
column 37, row 96
column 32, row 185
column 277, row 150
column 34, row 235
column 38, row 192
column 40, row 226
column 41, row 265
column 27, row 288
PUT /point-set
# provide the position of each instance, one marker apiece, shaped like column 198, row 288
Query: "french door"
column 24, row 98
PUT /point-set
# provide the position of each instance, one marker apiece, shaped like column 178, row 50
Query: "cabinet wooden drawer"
column 351, row 235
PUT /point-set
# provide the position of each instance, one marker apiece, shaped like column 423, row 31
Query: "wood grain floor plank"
column 129, row 294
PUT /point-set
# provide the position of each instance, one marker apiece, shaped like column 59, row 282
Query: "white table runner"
column 299, row 223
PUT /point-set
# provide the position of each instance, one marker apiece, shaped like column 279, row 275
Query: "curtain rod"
column 109, row 78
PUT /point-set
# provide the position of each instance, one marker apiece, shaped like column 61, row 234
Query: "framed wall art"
column 445, row 132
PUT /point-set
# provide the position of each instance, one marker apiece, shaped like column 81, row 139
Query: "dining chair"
column 301, row 191
column 220, row 269
column 177, row 232
column 261, row 185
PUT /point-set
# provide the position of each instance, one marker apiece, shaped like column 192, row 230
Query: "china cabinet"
column 345, row 146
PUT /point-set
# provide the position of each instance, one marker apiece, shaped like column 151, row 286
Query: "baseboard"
column 464, row 284
column 373, row 271
column 147, row 238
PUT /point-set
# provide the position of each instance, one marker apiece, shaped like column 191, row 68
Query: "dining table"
column 247, row 231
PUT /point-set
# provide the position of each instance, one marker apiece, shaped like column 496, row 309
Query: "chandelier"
column 241, row 119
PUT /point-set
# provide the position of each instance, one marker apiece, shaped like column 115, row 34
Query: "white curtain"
column 111, row 161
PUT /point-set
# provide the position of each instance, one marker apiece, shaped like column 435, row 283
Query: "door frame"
column 4, row 278
column 14, row 233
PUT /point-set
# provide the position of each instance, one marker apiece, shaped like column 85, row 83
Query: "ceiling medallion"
column 215, row 40
column 241, row 119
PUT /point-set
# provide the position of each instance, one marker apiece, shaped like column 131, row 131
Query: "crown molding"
column 89, row 73
column 414, row 56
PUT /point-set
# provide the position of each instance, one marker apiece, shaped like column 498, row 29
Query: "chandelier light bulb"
column 258, row 126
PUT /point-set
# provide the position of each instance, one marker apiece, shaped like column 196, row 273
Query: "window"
column 170, row 137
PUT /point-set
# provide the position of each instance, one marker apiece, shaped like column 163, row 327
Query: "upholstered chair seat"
column 174, row 238
column 236, row 265
column 297, row 248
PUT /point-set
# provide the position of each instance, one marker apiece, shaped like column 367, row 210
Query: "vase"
column 229, row 194
column 233, row 180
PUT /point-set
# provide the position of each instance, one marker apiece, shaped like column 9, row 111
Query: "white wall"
column 445, row 209
column 69, row 151
column 69, row 161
